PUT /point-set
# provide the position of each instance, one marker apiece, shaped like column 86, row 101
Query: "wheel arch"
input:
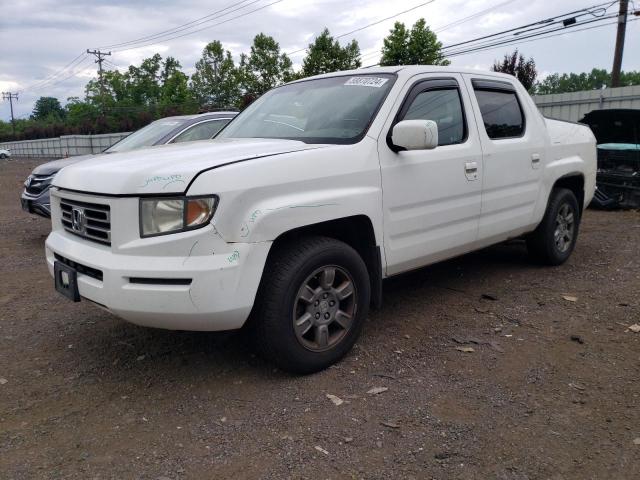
column 357, row 231
column 575, row 182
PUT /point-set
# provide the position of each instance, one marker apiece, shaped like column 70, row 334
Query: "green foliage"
column 265, row 67
column 418, row 46
column 216, row 81
column 47, row 108
column 575, row 82
column 516, row 65
column 80, row 113
column 325, row 55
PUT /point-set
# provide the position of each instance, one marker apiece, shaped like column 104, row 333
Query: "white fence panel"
column 573, row 106
column 65, row 146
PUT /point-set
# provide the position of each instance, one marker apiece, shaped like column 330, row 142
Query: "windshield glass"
column 327, row 110
column 145, row 137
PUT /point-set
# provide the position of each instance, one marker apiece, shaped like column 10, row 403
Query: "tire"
column 3, row 156
column 297, row 288
column 555, row 238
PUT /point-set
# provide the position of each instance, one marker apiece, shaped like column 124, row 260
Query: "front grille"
column 88, row 220
column 83, row 269
column 38, row 184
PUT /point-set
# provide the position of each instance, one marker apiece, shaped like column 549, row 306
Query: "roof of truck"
column 411, row 70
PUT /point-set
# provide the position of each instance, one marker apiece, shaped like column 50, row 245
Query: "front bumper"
column 618, row 190
column 36, row 204
column 186, row 281
column 219, row 297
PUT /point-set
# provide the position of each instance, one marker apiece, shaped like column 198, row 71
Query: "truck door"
column 431, row 198
column 513, row 153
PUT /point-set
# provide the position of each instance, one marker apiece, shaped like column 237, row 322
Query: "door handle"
column 471, row 170
column 535, row 160
column 470, row 167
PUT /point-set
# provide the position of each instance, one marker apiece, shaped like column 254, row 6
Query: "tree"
column 144, row 82
column 216, row 80
column 325, row 55
column 516, row 65
column 175, row 95
column 575, row 82
column 265, row 67
column 418, row 46
column 47, row 108
column 81, row 115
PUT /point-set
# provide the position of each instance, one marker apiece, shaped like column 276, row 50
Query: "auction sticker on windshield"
column 375, row 82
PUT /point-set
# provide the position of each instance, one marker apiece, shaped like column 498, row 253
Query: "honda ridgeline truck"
column 291, row 218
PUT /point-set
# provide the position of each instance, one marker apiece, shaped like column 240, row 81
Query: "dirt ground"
column 550, row 390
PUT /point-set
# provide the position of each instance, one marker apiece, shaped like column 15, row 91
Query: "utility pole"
column 10, row 96
column 617, row 56
column 100, row 58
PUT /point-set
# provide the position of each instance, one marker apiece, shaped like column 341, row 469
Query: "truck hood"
column 166, row 169
column 55, row 166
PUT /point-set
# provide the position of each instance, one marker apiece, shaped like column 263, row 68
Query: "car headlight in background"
column 160, row 216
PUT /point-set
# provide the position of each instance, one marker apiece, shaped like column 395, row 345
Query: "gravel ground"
column 550, row 389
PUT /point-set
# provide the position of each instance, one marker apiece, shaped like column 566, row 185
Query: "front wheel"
column 3, row 156
column 554, row 239
column 313, row 300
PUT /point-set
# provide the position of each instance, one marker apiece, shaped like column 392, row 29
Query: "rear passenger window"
column 444, row 108
column 501, row 113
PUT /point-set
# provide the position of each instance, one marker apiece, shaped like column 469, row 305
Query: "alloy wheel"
column 325, row 308
column 565, row 228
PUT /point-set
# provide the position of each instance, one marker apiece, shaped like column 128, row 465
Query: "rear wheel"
column 555, row 238
column 314, row 298
column 3, row 156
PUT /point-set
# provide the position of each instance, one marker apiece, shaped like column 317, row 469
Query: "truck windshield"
column 327, row 110
column 145, row 137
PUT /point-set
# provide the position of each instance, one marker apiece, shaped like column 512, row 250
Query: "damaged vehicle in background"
column 617, row 132
column 185, row 128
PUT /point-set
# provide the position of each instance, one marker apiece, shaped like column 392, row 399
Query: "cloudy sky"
column 38, row 38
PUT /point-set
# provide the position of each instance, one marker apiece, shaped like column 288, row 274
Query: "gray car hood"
column 54, row 166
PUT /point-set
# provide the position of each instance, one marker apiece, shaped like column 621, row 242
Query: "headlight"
column 160, row 216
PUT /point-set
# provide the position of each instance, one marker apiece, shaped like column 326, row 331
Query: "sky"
column 38, row 38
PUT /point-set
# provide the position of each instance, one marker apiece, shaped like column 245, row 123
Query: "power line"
column 503, row 38
column 520, row 41
column 53, row 76
column 547, row 21
column 508, row 41
column 370, row 24
column 79, row 59
column 185, row 26
column 201, row 29
column 77, row 69
column 460, row 21
column 111, row 64
column 456, row 23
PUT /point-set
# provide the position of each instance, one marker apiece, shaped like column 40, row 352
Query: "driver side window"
column 444, row 107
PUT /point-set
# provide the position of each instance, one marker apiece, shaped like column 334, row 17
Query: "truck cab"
column 288, row 222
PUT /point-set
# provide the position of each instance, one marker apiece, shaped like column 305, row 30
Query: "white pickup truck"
column 291, row 218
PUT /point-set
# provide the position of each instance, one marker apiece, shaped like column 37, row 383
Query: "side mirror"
column 415, row 135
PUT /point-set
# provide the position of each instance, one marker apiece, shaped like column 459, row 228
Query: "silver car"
column 187, row 128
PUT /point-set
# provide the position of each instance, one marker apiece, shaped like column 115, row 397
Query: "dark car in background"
column 186, row 128
column 617, row 132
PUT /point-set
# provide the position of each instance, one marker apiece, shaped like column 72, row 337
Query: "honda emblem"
column 78, row 219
